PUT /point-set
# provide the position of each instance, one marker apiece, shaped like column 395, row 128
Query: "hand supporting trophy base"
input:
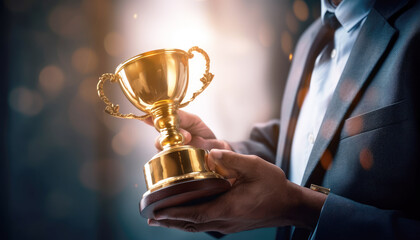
column 156, row 83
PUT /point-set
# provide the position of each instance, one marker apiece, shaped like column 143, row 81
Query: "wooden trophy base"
column 183, row 193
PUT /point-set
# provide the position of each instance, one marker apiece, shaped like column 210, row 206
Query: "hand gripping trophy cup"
column 156, row 83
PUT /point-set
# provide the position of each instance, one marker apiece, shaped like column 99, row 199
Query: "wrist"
column 306, row 206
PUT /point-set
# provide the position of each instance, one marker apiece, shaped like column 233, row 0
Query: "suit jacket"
column 368, row 147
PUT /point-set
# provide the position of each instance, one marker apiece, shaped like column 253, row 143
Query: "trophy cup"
column 156, row 83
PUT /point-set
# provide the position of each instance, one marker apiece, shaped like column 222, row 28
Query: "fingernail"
column 210, row 164
column 152, row 223
column 216, row 154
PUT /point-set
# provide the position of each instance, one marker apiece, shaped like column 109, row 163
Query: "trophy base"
column 189, row 192
column 179, row 176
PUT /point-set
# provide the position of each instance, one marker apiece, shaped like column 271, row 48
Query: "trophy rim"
column 147, row 54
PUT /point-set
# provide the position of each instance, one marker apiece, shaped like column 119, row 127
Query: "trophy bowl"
column 156, row 83
column 154, row 76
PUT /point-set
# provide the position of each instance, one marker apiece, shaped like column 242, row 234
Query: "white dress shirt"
column 327, row 70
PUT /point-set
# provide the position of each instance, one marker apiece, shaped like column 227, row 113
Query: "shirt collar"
column 349, row 13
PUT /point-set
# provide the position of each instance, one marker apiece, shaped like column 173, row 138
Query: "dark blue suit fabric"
column 368, row 147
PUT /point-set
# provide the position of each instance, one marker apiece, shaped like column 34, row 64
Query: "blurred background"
column 70, row 171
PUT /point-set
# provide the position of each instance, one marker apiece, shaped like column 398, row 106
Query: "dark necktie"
column 331, row 21
column 323, row 37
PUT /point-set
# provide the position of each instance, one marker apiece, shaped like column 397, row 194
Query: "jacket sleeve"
column 342, row 218
column 262, row 141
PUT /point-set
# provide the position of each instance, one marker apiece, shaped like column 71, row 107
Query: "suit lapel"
column 291, row 92
column 369, row 48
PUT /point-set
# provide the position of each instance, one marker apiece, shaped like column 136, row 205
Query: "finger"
column 189, row 121
column 157, row 144
column 206, row 212
column 194, row 125
column 186, row 120
column 208, row 144
column 218, row 226
column 149, row 121
column 187, row 136
column 234, row 165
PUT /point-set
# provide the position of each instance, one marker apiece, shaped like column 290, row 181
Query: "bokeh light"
column 114, row 44
column 286, row 42
column 327, row 128
column 51, row 79
column 372, row 96
column 26, row 101
column 326, row 160
column 124, row 141
column 301, row 10
column 366, row 159
column 345, row 87
column 84, row 60
column 67, row 21
column 355, row 127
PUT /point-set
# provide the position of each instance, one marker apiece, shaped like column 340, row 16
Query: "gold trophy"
column 156, row 83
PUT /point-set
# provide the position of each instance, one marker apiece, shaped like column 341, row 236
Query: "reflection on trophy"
column 156, row 83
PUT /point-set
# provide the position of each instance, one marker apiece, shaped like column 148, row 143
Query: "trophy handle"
column 207, row 77
column 113, row 109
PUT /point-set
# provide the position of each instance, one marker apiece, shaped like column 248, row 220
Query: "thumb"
column 232, row 165
column 187, row 136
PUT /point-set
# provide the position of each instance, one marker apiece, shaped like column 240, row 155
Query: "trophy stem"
column 166, row 121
